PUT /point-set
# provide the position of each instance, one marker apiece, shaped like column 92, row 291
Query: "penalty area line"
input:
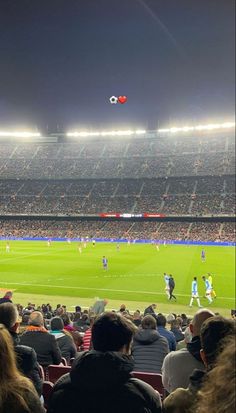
column 101, row 289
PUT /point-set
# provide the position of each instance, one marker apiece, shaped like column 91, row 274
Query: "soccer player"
column 118, row 247
column 105, row 263
column 167, row 288
column 208, row 289
column 209, row 277
column 7, row 247
column 157, row 247
column 195, row 293
column 49, row 243
column 80, row 248
column 203, row 255
column 94, row 242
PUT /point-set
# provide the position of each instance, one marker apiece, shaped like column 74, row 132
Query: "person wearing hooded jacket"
column 149, row 347
column 100, row 380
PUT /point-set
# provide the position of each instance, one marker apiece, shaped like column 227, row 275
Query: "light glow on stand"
column 211, row 126
column 76, row 134
column 6, row 134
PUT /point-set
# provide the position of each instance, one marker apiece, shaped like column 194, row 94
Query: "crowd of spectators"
column 105, row 348
column 139, row 158
column 205, row 232
column 170, row 196
column 69, row 229
column 135, row 167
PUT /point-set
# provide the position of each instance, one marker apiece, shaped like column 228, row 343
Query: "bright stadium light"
column 6, row 134
column 211, row 126
column 84, row 134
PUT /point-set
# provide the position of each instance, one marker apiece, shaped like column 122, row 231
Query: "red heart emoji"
column 122, row 99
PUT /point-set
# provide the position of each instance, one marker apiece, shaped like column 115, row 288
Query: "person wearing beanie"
column 64, row 339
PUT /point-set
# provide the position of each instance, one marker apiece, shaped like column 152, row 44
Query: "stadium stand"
column 172, row 175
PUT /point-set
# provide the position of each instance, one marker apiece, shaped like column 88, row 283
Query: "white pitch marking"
column 102, row 289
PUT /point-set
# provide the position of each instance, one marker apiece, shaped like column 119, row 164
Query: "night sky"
column 61, row 60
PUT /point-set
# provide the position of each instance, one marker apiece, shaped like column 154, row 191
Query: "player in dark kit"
column 171, row 287
column 105, row 263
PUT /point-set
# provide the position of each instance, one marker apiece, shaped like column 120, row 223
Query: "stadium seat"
column 41, row 372
column 72, row 360
column 154, row 379
column 47, row 389
column 64, row 361
column 55, row 372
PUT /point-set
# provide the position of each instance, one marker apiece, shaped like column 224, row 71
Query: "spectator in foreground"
column 100, row 380
column 218, row 391
column 63, row 338
column 44, row 343
column 179, row 365
column 7, row 298
column 17, row 393
column 26, row 356
column 162, row 330
column 215, row 333
column 149, row 347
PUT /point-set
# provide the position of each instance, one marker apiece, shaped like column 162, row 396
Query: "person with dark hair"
column 162, row 330
column 26, row 356
column 100, row 380
column 63, row 338
column 68, row 325
column 17, row 393
column 214, row 395
column 38, row 337
column 194, row 295
column 178, row 365
column 7, row 298
column 81, row 322
column 171, row 287
column 215, row 332
column 151, row 310
column 149, row 347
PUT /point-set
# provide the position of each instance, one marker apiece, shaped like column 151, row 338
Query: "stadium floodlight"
column 211, row 126
column 8, row 134
column 105, row 133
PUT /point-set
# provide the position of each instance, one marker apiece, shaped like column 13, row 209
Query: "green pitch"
column 135, row 273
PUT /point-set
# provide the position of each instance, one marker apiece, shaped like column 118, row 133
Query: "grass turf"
column 135, row 273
